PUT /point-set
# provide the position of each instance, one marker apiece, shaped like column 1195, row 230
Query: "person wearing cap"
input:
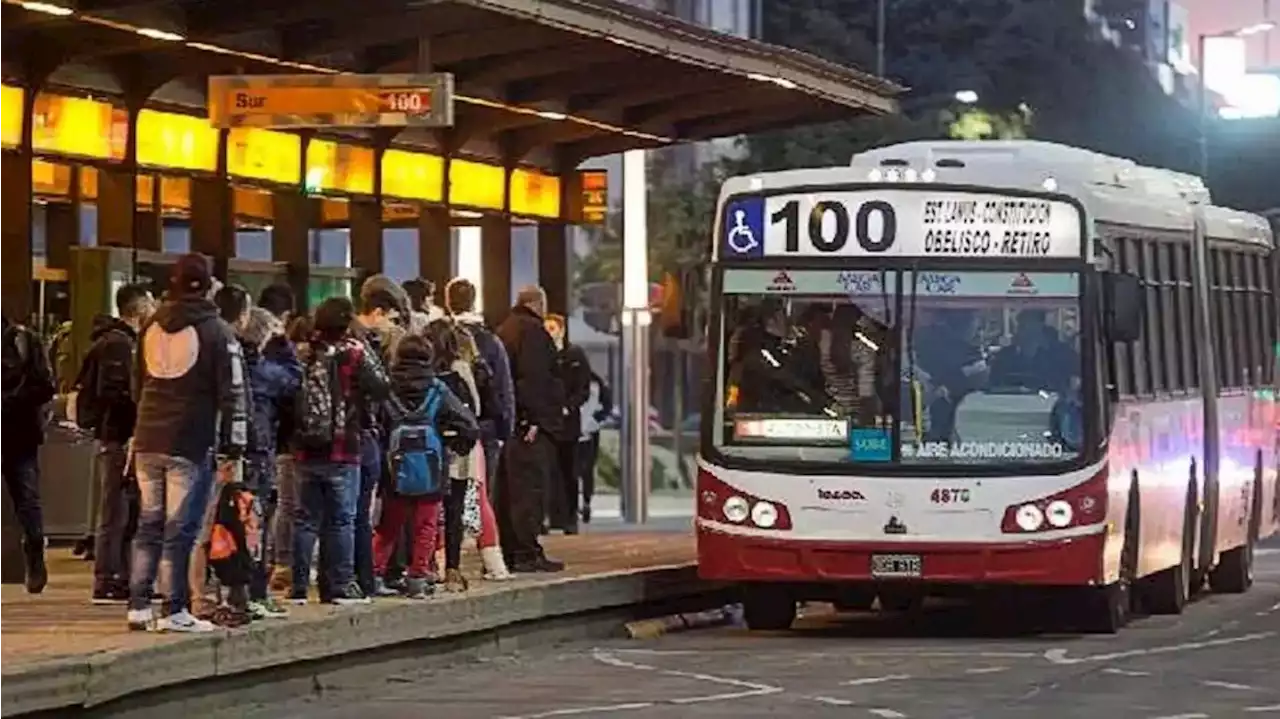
column 192, row 404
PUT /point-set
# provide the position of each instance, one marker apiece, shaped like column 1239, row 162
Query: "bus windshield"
column 925, row 367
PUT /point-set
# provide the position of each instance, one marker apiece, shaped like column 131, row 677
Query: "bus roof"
column 1113, row 190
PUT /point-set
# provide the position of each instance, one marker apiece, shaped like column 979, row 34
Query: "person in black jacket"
column 192, row 404
column 574, row 370
column 105, row 406
column 28, row 387
column 528, row 458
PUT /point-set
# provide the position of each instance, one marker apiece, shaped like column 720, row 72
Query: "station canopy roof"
column 549, row 82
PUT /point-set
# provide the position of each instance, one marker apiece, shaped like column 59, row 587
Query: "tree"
column 1035, row 54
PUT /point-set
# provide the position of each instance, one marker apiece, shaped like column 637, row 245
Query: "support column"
column 495, row 266
column 62, row 227
column 117, row 207
column 553, row 265
column 295, row 214
column 435, row 248
column 365, row 217
column 213, row 222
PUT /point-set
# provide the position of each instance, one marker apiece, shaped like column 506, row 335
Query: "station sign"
column 589, row 197
column 297, row 101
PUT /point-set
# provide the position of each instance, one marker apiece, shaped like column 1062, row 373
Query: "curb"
column 82, row 682
column 730, row 614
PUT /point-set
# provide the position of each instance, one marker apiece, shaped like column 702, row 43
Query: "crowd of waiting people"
column 238, row 444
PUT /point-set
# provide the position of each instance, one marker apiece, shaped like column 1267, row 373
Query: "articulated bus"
column 977, row 367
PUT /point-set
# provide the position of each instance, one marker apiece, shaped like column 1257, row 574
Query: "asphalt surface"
column 1221, row 658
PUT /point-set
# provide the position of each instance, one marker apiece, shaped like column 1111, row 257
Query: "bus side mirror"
column 1124, row 302
column 679, row 300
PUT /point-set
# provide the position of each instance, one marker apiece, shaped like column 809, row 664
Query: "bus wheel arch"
column 1234, row 573
column 1107, row 609
column 1169, row 590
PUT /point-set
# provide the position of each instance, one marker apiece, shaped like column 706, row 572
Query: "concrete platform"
column 61, row 652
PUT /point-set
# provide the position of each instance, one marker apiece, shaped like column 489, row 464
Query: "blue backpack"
column 416, row 451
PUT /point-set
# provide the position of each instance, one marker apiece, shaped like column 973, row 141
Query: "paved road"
column 1220, row 659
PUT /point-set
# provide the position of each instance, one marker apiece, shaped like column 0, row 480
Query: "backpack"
column 235, row 547
column 97, row 385
column 26, row 379
column 416, row 452
column 320, row 408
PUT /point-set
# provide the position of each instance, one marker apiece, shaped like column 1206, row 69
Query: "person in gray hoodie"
column 192, row 404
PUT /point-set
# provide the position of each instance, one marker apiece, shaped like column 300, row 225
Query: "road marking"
column 1229, row 685
column 986, row 670
column 584, row 710
column 1261, row 710
column 887, row 713
column 752, row 689
column 1125, row 672
column 832, row 701
column 1265, row 551
column 876, row 680
column 1059, row 656
column 1183, row 716
column 904, row 653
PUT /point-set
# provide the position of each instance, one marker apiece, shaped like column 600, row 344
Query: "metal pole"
column 635, row 335
column 1204, row 112
column 880, row 29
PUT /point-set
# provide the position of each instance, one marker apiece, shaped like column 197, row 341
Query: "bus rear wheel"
column 768, row 607
column 1168, row 591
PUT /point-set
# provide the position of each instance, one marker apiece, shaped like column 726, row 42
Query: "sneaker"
column 418, row 588
column 142, row 620
column 541, row 565
column 83, row 546
column 352, row 594
column 37, row 573
column 228, row 616
column 110, row 592
column 382, row 589
column 297, row 599
column 586, row 514
column 184, row 621
column 267, row 608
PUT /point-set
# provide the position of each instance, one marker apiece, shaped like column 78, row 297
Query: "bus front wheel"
column 1234, row 573
column 768, row 607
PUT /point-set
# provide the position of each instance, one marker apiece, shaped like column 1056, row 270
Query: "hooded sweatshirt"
column 107, row 375
column 192, row 398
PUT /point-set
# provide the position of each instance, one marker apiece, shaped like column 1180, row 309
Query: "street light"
column 968, row 97
column 1246, row 31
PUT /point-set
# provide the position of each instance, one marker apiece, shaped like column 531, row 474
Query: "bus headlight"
column 1029, row 517
column 736, row 509
column 1059, row 513
column 764, row 515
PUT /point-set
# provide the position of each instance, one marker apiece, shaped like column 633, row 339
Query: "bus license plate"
column 889, row 566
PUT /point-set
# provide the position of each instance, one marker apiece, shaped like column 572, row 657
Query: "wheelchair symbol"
column 741, row 239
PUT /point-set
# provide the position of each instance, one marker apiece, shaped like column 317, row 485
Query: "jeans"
column 588, row 453
column 173, row 495
column 286, row 503
column 260, row 478
column 370, row 474
column 328, row 495
column 117, row 499
column 22, row 481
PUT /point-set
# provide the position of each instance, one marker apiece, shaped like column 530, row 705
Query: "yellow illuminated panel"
column 339, row 168
column 11, row 115
column 476, row 185
column 75, row 126
column 264, row 155
column 49, row 178
column 166, row 139
column 252, row 205
column 533, row 193
column 175, row 194
column 412, row 175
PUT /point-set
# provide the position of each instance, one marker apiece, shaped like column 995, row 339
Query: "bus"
column 957, row 367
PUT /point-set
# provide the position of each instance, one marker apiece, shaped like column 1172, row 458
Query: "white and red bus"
column 1008, row 364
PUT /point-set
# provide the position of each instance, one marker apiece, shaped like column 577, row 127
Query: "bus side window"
column 1220, row 302
column 1139, row 376
column 1268, row 321
column 1157, row 362
column 1167, row 316
column 1185, row 309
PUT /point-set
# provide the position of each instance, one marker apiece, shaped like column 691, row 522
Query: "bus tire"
column 1168, row 591
column 1234, row 573
column 855, row 599
column 768, row 607
column 1106, row 610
